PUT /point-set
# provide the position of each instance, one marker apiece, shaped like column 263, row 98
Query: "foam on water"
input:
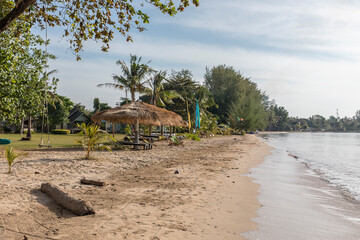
column 296, row 203
column 334, row 156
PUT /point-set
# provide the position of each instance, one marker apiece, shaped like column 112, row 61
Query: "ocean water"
column 334, row 156
column 309, row 187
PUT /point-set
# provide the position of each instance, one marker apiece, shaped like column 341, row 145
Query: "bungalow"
column 75, row 117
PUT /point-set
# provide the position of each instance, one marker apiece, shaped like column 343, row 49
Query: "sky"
column 304, row 54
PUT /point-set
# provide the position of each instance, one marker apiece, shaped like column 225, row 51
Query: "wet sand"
column 143, row 199
column 298, row 204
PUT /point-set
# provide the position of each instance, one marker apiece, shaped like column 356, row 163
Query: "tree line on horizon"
column 28, row 88
column 225, row 98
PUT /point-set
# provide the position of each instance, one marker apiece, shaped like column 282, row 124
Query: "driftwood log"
column 77, row 206
column 92, row 182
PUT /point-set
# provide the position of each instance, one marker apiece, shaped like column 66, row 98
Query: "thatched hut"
column 140, row 113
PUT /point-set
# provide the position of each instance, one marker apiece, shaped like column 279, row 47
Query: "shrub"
column 176, row 141
column 192, row 136
column 92, row 138
column 60, row 131
column 10, row 156
column 127, row 130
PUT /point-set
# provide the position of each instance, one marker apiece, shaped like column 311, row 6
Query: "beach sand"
column 210, row 198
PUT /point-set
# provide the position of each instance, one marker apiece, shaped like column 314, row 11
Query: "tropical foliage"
column 157, row 94
column 11, row 156
column 93, row 138
column 132, row 78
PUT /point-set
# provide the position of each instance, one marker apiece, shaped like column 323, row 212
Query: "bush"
column 192, row 136
column 60, row 131
column 93, row 138
column 10, row 156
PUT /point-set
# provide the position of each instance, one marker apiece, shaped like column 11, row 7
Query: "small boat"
column 4, row 141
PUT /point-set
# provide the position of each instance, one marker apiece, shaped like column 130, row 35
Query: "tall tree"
column 278, row 118
column 183, row 83
column 88, row 19
column 96, row 105
column 132, row 78
column 239, row 100
column 59, row 111
column 227, row 86
column 23, row 85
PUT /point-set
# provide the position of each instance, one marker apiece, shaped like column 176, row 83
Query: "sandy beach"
column 143, row 198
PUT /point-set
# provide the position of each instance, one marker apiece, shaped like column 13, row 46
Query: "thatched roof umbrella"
column 139, row 113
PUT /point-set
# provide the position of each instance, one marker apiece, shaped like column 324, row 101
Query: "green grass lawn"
column 56, row 140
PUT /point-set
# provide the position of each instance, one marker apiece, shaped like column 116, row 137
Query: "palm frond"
column 113, row 85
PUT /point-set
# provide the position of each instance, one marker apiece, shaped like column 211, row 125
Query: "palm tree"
column 132, row 77
column 158, row 95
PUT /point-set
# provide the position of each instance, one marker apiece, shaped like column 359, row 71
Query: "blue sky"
column 304, row 54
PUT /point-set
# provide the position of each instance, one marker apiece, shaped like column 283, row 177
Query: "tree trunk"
column 132, row 96
column 162, row 130
column 137, row 131
column 170, row 130
column 77, row 206
column 22, row 126
column 150, row 128
column 15, row 13
column 28, row 135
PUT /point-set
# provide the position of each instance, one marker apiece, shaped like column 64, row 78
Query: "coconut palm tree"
column 158, row 95
column 132, row 77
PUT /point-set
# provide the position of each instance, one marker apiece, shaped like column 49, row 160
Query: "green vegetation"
column 240, row 103
column 192, row 136
column 22, row 78
column 98, row 106
column 132, row 78
column 56, row 141
column 59, row 111
column 93, row 138
column 87, row 19
column 156, row 92
column 11, row 156
column 60, row 131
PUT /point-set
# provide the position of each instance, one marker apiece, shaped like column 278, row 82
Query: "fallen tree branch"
column 77, row 206
column 92, row 182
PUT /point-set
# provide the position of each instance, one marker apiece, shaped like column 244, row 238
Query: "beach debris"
column 294, row 156
column 176, row 171
column 92, row 182
column 77, row 206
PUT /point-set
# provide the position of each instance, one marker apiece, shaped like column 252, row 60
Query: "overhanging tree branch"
column 19, row 9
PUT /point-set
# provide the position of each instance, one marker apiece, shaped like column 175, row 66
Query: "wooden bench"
column 142, row 138
column 146, row 146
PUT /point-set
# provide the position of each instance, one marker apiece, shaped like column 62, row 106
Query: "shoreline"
column 143, row 198
column 297, row 203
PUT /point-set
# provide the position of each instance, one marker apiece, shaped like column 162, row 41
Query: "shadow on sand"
column 48, row 202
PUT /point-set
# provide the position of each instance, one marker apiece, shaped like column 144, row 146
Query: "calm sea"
column 309, row 187
column 334, row 156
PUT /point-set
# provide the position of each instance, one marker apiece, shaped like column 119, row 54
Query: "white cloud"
column 316, row 74
column 327, row 26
